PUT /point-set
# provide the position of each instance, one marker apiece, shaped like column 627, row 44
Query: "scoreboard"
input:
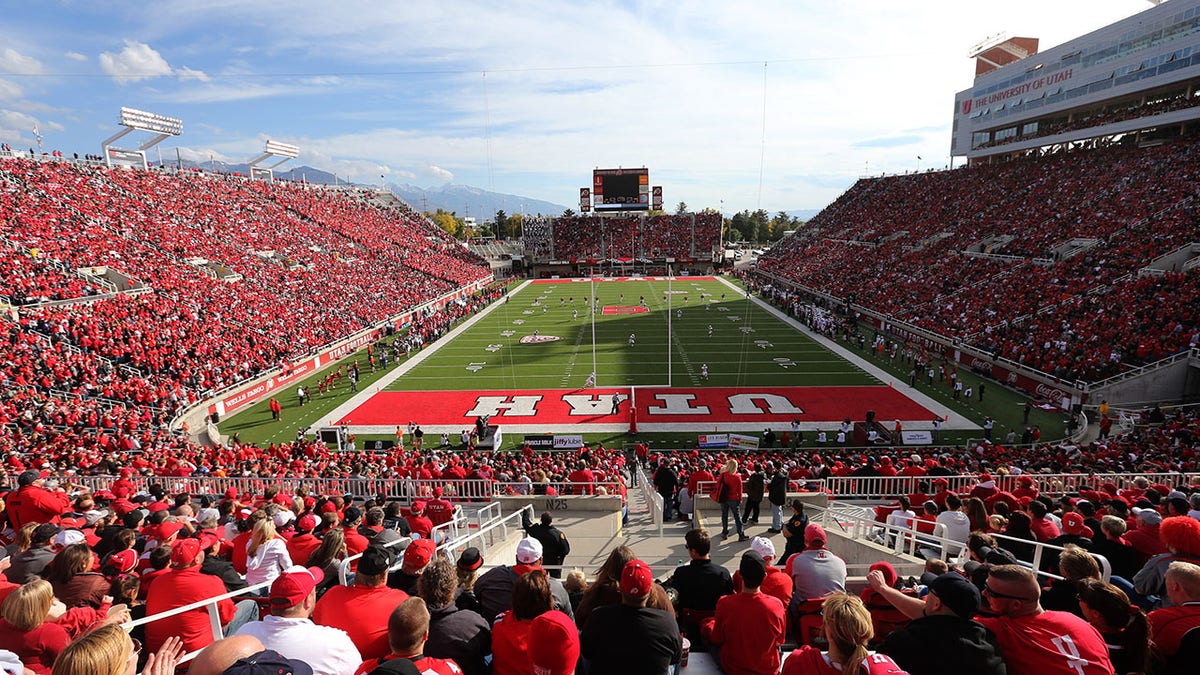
column 621, row 189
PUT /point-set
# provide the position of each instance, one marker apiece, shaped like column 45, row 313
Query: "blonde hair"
column 264, row 531
column 848, row 627
column 730, row 466
column 104, row 651
column 1076, row 564
column 27, row 606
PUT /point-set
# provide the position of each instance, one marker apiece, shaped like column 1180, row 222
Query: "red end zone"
column 697, row 407
column 584, row 280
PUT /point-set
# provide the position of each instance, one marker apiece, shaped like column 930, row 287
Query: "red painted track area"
column 678, row 406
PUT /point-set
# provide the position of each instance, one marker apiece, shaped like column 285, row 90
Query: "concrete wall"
column 603, row 508
column 1163, row 384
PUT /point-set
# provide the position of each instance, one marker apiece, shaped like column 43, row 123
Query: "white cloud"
column 12, row 61
column 9, row 91
column 439, row 174
column 206, row 154
column 17, row 127
column 185, row 73
column 137, row 61
column 75, row 56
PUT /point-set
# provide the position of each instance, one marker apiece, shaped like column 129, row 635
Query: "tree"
column 568, row 214
column 501, row 223
column 681, row 209
column 512, row 227
column 732, row 234
column 447, row 222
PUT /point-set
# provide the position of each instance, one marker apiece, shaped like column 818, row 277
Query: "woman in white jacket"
column 266, row 554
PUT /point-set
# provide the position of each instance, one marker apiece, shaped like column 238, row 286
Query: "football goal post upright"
column 670, row 298
column 592, row 311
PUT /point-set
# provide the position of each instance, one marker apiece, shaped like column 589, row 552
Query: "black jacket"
column 777, row 489
column 555, row 546
column 223, row 569
column 665, row 480
column 460, row 635
column 754, row 486
column 623, row 640
column 944, row 645
column 700, row 584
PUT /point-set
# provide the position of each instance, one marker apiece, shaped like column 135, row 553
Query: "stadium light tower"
column 272, row 149
column 133, row 120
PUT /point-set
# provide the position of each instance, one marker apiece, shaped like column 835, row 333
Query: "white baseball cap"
column 529, row 550
column 763, row 546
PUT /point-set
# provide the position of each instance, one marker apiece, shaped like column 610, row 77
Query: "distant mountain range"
column 463, row 200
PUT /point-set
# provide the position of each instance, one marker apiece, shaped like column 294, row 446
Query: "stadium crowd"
column 1042, row 268
column 683, row 237
column 81, row 561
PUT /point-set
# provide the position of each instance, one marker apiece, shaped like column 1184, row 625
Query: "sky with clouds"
column 740, row 105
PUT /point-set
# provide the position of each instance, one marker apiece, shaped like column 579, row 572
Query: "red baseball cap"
column 125, row 561
column 419, row 553
column 307, row 523
column 554, row 643
column 636, row 578
column 294, row 585
column 185, row 552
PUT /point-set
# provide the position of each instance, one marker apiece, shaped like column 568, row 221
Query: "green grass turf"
column 748, row 346
column 732, row 356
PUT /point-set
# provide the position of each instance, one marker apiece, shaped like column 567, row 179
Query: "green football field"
column 747, row 345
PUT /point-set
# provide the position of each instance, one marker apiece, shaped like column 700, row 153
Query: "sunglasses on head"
column 988, row 590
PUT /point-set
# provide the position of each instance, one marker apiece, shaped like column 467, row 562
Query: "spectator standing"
column 776, row 496
column 749, row 626
column 755, row 485
column 793, row 531
column 33, row 503
column 555, row 547
column 728, row 493
column 289, row 630
column 631, row 638
column 666, row 480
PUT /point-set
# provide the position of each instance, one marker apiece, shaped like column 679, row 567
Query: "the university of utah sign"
column 776, row 405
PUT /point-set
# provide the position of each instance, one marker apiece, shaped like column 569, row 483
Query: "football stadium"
column 253, row 422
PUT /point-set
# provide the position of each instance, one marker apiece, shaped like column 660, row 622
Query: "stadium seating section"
column 686, row 237
column 230, row 277
column 1036, row 260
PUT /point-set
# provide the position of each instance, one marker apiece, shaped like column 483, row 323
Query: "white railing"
column 888, row 487
column 653, row 500
column 483, row 536
column 210, row 605
column 909, row 541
